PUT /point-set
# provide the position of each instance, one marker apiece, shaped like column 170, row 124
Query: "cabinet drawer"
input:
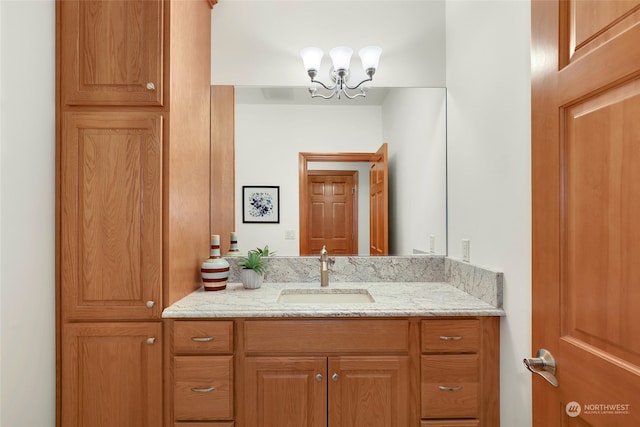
column 203, row 387
column 451, row 336
column 203, row 337
column 326, row 336
column 450, row 386
column 450, row 423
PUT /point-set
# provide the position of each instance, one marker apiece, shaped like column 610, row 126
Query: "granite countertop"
column 391, row 299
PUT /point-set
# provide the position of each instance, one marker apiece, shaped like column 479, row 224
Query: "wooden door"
column 111, row 216
column 333, row 211
column 586, row 205
column 111, row 375
column 285, row 391
column 379, row 204
column 111, row 52
column 370, row 391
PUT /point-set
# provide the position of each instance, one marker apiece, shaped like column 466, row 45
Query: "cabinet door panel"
column 285, row 392
column 111, row 216
column 111, row 52
column 111, row 375
column 369, row 391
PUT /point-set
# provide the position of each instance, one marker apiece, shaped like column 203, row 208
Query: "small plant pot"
column 250, row 279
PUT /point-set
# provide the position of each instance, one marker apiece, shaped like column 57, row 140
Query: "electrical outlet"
column 432, row 244
column 466, row 250
column 290, row 234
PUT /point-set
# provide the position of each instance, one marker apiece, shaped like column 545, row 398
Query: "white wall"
column 414, row 125
column 265, row 135
column 488, row 82
column 27, row 201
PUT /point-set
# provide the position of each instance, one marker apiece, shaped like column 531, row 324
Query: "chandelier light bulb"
column 341, row 57
column 370, row 57
column 311, row 57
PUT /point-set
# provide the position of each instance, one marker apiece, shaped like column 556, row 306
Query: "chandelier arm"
column 359, row 84
column 319, row 95
column 324, row 85
column 362, row 93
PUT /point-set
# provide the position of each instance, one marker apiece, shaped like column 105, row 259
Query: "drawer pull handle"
column 445, row 388
column 450, row 338
column 203, row 390
column 203, row 339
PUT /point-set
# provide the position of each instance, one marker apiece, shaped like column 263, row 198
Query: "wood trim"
column 303, row 159
column 223, row 163
column 545, row 208
column 490, row 371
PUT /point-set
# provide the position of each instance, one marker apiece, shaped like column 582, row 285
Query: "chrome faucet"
column 325, row 261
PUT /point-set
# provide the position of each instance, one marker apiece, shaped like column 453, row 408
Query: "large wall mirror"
column 274, row 124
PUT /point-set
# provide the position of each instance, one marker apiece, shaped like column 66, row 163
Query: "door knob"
column 543, row 365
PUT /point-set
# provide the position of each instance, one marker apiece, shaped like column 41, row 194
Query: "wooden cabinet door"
column 370, row 391
column 111, row 216
column 111, row 375
column 111, row 52
column 285, row 392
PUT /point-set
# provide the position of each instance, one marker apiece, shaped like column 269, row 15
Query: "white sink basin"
column 325, row 296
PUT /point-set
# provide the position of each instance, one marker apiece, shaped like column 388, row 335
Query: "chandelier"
column 340, row 57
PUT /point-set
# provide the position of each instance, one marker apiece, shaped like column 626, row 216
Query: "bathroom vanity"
column 417, row 354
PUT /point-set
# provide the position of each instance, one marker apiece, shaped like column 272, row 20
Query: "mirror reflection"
column 273, row 125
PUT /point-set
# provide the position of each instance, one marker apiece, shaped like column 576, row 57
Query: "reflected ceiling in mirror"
column 274, row 124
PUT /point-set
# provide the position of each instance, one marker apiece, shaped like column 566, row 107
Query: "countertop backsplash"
column 348, row 269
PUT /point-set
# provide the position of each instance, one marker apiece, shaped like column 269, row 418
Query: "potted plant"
column 253, row 268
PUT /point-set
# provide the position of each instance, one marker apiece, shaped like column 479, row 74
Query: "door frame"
column 303, row 159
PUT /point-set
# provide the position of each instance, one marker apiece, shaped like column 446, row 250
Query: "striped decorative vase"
column 215, row 270
column 233, row 245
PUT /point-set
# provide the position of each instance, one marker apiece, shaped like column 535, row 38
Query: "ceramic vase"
column 250, row 279
column 215, row 270
column 233, row 245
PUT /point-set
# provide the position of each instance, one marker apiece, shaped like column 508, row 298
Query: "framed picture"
column 260, row 204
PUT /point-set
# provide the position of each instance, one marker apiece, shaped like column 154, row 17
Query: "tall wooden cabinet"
column 133, row 81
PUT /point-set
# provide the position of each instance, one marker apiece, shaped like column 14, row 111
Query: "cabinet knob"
column 151, row 341
column 335, row 376
column 150, row 304
column 151, row 86
column 319, row 377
